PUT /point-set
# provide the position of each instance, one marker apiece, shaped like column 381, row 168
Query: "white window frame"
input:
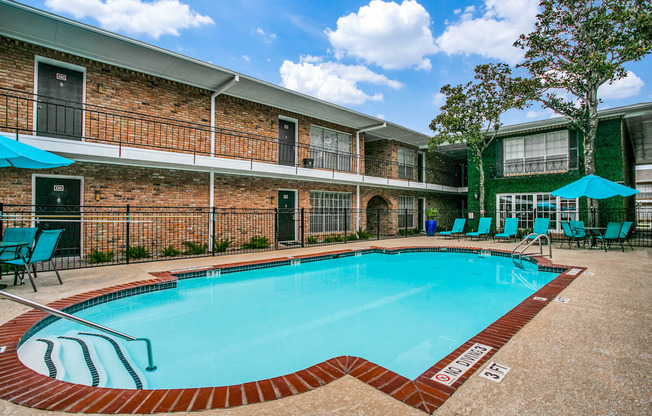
column 340, row 157
column 545, row 159
column 406, row 203
column 543, row 199
column 322, row 222
column 404, row 154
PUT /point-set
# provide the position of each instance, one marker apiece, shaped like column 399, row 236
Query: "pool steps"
column 89, row 359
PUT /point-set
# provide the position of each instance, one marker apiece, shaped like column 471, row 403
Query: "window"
column 527, row 207
column 538, row 153
column 331, row 212
column 330, row 149
column 405, row 212
column 405, row 163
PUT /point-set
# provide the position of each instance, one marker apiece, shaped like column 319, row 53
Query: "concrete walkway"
column 590, row 356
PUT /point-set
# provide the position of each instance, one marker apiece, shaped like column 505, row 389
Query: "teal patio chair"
column 43, row 251
column 458, row 228
column 511, row 228
column 611, row 233
column 541, row 226
column 483, row 228
column 624, row 232
column 572, row 234
column 17, row 234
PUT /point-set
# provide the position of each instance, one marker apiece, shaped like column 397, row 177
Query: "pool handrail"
column 535, row 238
column 63, row 315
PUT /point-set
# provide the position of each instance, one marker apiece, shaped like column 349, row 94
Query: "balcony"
column 98, row 133
column 534, row 166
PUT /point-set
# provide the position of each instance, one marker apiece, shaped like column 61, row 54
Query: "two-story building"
column 530, row 160
column 150, row 127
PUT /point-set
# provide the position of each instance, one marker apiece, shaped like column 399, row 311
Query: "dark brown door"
column 59, row 109
column 286, row 216
column 58, row 208
column 286, row 146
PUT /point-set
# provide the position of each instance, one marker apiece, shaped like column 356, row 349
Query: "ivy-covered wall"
column 613, row 162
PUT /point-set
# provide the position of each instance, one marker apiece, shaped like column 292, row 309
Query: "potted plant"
column 431, row 221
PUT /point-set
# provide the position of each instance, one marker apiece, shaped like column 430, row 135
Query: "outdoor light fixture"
column 100, row 88
column 98, row 195
column 475, row 195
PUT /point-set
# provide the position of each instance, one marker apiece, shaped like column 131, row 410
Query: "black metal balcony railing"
column 27, row 113
column 534, row 166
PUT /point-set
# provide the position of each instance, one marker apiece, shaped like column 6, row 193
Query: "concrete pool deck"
column 589, row 356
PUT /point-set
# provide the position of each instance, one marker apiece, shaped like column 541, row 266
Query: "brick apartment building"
column 149, row 127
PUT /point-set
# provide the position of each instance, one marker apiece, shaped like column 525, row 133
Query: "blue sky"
column 383, row 58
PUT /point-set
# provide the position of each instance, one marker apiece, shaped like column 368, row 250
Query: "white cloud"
column 333, row 81
column 545, row 113
column 629, row 86
column 439, row 99
column 160, row 17
column 493, row 34
column 246, row 58
column 387, row 34
column 267, row 37
column 380, row 116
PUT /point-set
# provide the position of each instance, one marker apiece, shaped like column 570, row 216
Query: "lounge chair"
column 43, row 251
column 458, row 228
column 511, row 228
column 483, row 228
column 572, row 234
column 624, row 232
column 540, row 227
column 611, row 233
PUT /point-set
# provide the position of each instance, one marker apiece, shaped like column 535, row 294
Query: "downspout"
column 211, row 177
column 357, row 152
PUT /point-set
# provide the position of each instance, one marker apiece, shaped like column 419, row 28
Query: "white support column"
column 357, row 205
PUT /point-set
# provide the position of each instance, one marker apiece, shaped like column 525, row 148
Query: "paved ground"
column 591, row 356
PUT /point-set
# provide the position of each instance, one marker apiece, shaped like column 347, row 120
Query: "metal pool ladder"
column 63, row 315
column 537, row 238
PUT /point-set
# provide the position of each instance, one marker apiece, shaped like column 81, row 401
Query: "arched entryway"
column 378, row 217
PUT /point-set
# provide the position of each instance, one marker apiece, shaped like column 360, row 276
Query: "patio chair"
column 611, row 233
column 572, row 234
column 624, row 232
column 16, row 234
column 511, row 228
column 483, row 228
column 540, row 227
column 43, row 251
column 458, row 228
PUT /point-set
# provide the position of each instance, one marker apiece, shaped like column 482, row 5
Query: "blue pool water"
column 404, row 312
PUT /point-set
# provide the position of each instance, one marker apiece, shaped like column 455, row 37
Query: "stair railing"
column 63, row 315
column 536, row 238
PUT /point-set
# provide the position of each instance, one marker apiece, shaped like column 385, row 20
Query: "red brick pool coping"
column 25, row 387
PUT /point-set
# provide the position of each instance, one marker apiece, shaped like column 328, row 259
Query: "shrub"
column 256, row 242
column 363, row 234
column 352, row 237
column 221, row 245
column 170, row 251
column 138, row 252
column 312, row 240
column 195, row 249
column 100, row 257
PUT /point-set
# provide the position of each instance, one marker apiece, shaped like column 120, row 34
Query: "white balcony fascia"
column 140, row 157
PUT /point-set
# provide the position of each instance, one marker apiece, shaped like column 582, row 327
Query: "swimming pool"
column 403, row 311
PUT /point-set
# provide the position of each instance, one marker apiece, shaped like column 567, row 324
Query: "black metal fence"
column 103, row 235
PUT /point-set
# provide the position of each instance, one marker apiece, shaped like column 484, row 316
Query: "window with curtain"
column 328, row 212
column 406, row 211
column 527, row 207
column 405, row 163
column 538, row 153
column 330, row 149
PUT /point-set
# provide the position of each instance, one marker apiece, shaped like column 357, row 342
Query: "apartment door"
column 286, row 142
column 59, row 198
column 421, row 215
column 421, row 166
column 60, row 93
column 286, row 216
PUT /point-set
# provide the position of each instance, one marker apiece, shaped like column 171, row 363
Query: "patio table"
column 14, row 246
column 591, row 233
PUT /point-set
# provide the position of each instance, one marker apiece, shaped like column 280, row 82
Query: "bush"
column 138, row 252
column 100, row 257
column 410, row 231
column 352, row 237
column 256, row 242
column 312, row 240
column 170, row 251
column 363, row 234
column 195, row 249
column 222, row 245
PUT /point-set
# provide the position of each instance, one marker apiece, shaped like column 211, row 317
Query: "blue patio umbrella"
column 21, row 155
column 594, row 187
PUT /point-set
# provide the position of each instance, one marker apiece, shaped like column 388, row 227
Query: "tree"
column 471, row 113
column 576, row 47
